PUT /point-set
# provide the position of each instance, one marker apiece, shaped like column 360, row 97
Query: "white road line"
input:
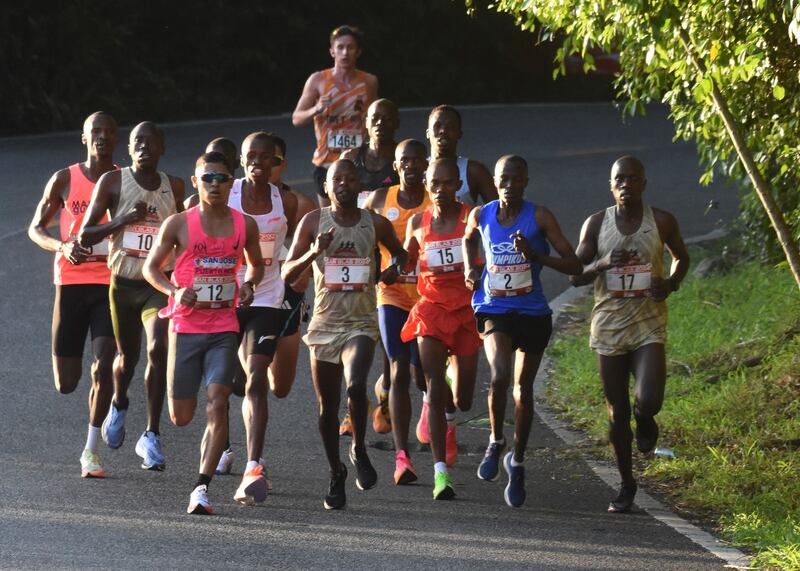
column 608, row 473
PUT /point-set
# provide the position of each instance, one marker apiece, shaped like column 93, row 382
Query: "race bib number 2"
column 444, row 256
column 629, row 281
column 347, row 274
column 508, row 281
column 138, row 239
column 344, row 139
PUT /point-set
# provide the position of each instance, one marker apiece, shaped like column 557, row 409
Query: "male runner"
column 336, row 99
column 442, row 320
column 138, row 199
column 398, row 203
column 81, row 278
column 510, row 307
column 444, row 132
column 375, row 158
column 228, row 150
column 209, row 242
column 261, row 323
column 339, row 242
column 622, row 249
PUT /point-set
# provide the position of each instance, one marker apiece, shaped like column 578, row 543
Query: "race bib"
column 97, row 253
column 138, row 239
column 267, row 242
column 344, row 139
column 628, row 281
column 409, row 278
column 508, row 281
column 444, row 256
column 214, row 292
column 346, row 274
column 362, row 198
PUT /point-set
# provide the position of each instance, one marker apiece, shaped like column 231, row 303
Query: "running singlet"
column 509, row 283
column 344, row 276
column 209, row 265
column 463, row 194
column 341, row 127
column 94, row 269
column 623, row 311
column 371, row 180
column 441, row 263
column 131, row 243
column 403, row 293
column 272, row 228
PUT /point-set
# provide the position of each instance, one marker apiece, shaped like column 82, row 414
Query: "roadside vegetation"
column 732, row 408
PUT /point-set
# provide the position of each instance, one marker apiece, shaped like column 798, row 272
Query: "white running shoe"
column 198, row 502
column 225, row 464
column 253, row 489
column 91, row 465
column 148, row 447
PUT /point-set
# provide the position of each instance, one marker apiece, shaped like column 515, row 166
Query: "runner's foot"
column 198, row 502
column 91, row 465
column 148, row 447
column 366, row 476
column 336, row 498
column 624, row 500
column 404, row 472
column 451, row 446
column 225, row 464
column 490, row 465
column 381, row 420
column 443, row 486
column 113, row 429
column 515, row 489
column 346, row 427
column 253, row 489
column 646, row 433
column 423, row 436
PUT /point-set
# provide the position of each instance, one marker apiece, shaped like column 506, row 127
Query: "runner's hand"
column 472, row 279
column 137, row 213
column 185, row 296
column 522, row 246
column 74, row 252
column 322, row 104
column 615, row 258
column 389, row 275
column 245, row 295
column 322, row 242
column 660, row 288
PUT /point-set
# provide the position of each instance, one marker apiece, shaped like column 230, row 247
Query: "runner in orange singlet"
column 442, row 320
column 337, row 100
column 81, row 277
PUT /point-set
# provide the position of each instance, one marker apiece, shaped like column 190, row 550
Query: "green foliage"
column 750, row 51
column 732, row 406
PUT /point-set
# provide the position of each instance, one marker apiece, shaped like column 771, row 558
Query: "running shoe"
column 515, row 489
column 490, row 465
column 443, row 486
column 404, row 472
column 91, row 465
column 624, row 499
column 113, row 429
column 148, row 447
column 225, row 464
column 646, row 433
column 336, row 498
column 266, row 474
column 423, row 436
column 198, row 502
column 346, row 427
column 451, row 446
column 253, row 489
column 381, row 420
column 366, row 476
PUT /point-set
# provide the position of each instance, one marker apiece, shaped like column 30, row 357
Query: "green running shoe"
column 443, row 487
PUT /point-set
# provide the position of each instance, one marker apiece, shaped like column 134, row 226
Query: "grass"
column 732, row 406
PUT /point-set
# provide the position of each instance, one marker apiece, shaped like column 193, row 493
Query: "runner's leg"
column 327, row 379
column 614, row 373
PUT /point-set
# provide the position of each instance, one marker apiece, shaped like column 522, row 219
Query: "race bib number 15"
column 444, row 256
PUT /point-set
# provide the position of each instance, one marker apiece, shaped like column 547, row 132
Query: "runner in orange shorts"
column 442, row 320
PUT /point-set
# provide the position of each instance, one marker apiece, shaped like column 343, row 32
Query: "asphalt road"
column 50, row 518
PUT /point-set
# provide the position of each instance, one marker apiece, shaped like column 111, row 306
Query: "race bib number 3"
column 267, row 242
column 444, row 256
column 628, row 281
column 344, row 139
column 508, row 281
column 346, row 274
column 138, row 239
column 214, row 292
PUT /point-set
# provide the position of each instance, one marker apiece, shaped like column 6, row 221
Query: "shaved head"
column 448, row 165
column 149, row 126
column 631, row 162
column 87, row 123
column 514, row 160
column 386, row 104
column 418, row 146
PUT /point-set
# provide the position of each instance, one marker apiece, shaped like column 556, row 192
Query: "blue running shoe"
column 148, row 447
column 490, row 465
column 113, row 430
column 515, row 489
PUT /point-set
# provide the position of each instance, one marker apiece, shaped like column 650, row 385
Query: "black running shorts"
column 529, row 333
column 259, row 329
column 78, row 309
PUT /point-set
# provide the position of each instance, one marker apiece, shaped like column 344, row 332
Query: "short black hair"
column 260, row 136
column 346, row 30
column 419, row 145
column 228, row 150
column 513, row 159
column 446, row 109
column 280, row 143
column 213, row 157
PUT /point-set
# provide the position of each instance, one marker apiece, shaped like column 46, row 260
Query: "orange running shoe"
column 381, row 419
column 404, row 472
column 253, row 489
column 451, row 446
column 346, row 427
column 423, row 436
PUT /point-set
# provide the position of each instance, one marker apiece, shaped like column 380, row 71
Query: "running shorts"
column 391, row 320
column 199, row 357
column 327, row 345
column 78, row 309
column 259, row 329
column 456, row 329
column 291, row 311
column 133, row 301
column 528, row 333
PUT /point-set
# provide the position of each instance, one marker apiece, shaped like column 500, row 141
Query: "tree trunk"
column 762, row 188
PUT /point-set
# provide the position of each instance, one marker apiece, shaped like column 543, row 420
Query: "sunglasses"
column 218, row 177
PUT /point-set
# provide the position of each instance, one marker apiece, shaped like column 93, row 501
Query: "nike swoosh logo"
column 265, row 338
column 646, row 231
column 236, row 245
column 165, row 191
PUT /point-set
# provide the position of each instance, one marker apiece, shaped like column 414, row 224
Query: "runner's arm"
column 308, row 105
column 470, row 249
column 52, row 200
column 372, row 91
column 411, row 244
column 178, row 191
column 480, row 182
column 568, row 262
column 166, row 242
column 384, row 232
column 376, row 200
column 104, row 200
column 306, row 246
column 587, row 251
column 255, row 263
column 191, row 201
column 671, row 236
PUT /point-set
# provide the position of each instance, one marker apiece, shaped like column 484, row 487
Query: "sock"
column 440, row 467
column 450, row 417
column 202, row 480
column 93, row 438
column 250, row 465
column 153, row 432
column 515, row 463
column 492, row 440
column 425, row 397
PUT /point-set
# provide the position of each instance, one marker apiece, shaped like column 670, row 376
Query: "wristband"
column 251, row 284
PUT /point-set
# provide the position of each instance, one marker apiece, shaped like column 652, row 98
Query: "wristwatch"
column 251, row 284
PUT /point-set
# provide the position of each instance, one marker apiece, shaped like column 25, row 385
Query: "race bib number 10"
column 629, row 281
column 347, row 274
column 508, row 281
column 138, row 239
column 444, row 256
column 344, row 139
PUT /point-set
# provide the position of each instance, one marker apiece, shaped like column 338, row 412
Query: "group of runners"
column 417, row 251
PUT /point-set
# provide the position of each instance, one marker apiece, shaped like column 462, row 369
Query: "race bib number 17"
column 629, row 281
